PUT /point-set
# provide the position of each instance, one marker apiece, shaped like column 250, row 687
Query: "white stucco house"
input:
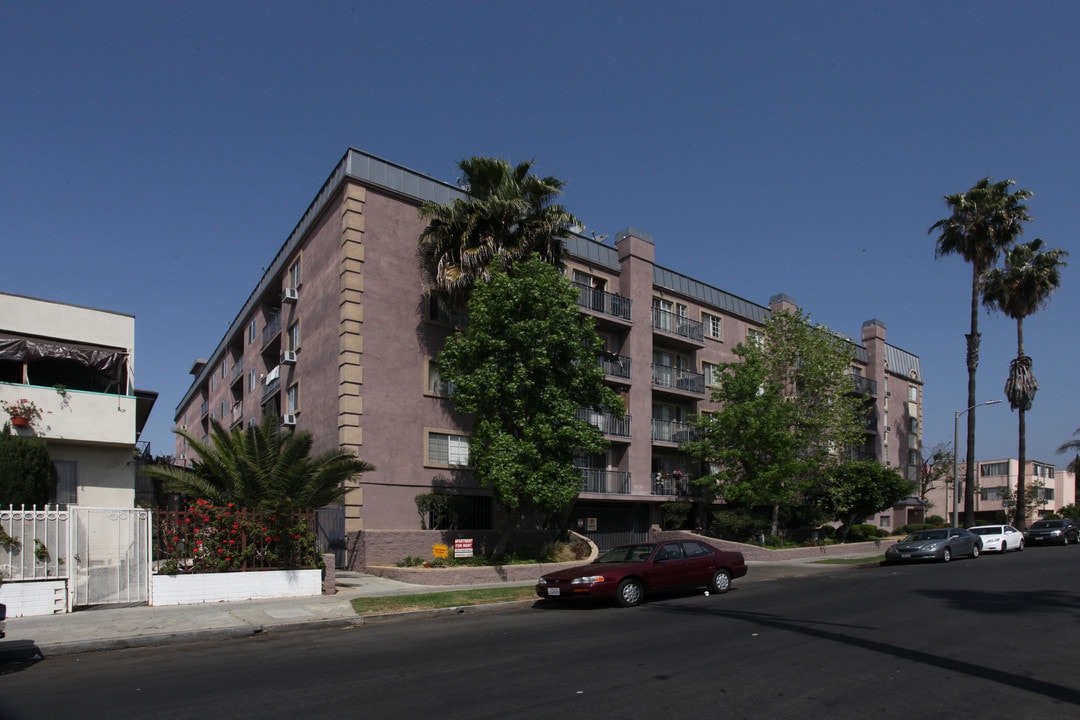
column 76, row 365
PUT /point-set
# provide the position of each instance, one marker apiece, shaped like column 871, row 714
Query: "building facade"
column 340, row 335
column 77, row 366
column 995, row 491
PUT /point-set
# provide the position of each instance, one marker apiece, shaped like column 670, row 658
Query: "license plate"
column 905, row 555
column 553, row 591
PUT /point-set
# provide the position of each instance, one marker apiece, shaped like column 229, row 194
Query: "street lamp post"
column 956, row 460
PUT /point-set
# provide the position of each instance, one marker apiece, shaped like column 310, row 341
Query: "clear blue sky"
column 154, row 156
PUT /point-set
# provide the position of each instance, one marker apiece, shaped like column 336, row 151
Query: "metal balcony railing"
column 608, row 424
column 614, row 365
column 610, row 482
column 272, row 329
column 673, row 431
column 669, row 322
column 679, row 379
column 603, row 302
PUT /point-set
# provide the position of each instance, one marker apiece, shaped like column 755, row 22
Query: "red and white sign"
column 463, row 548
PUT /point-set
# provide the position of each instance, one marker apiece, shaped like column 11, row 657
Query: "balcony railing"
column 864, row 385
column 236, row 415
column 669, row 322
column 271, row 388
column 204, row 408
column 603, row 302
column 272, row 329
column 672, row 485
column 608, row 424
column 610, row 482
column 672, row 377
column 673, row 431
column 614, row 365
column 237, row 373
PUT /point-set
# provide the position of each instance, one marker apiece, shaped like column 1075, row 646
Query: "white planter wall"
column 23, row 599
column 228, row 587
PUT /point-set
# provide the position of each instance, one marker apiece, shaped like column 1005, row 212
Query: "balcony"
column 605, row 482
column 237, row 373
column 685, row 381
column 604, row 303
column 76, row 415
column 614, row 365
column 677, row 484
column 272, row 330
column 864, row 385
column 204, row 409
column 271, row 389
column 672, row 431
column 236, row 414
column 678, row 326
column 617, row 426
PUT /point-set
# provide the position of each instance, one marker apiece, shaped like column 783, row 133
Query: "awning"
column 110, row 362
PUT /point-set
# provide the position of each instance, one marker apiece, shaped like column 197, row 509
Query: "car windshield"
column 1047, row 524
column 927, row 535
column 986, row 530
column 626, row 553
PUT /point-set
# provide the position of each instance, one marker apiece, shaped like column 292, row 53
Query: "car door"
column 700, row 563
column 668, row 567
column 1012, row 536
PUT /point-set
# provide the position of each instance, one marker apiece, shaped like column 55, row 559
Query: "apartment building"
column 76, row 365
column 339, row 338
column 995, row 491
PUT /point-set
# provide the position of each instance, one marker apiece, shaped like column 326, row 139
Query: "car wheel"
column 974, row 551
column 1020, row 546
column 721, row 582
column 629, row 592
column 1064, row 539
column 946, row 555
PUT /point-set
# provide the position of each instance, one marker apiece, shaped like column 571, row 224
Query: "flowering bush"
column 209, row 538
column 22, row 408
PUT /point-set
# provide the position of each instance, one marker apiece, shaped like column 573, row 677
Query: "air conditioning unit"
column 288, row 357
column 183, row 427
column 288, row 420
column 289, row 296
column 183, row 456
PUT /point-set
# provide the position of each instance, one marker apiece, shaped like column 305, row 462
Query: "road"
column 990, row 638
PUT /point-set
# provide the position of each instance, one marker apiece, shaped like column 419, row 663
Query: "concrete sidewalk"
column 109, row 628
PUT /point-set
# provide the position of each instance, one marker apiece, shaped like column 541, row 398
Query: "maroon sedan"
column 628, row 572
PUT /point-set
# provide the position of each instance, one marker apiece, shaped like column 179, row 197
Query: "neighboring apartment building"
column 339, row 338
column 995, row 487
column 77, row 365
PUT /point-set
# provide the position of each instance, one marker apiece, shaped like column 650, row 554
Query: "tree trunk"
column 775, row 527
column 1021, row 451
column 972, row 366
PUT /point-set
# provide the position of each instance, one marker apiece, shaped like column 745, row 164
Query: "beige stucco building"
column 995, row 490
column 338, row 338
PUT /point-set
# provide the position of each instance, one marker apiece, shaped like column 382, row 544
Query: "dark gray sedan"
column 939, row 544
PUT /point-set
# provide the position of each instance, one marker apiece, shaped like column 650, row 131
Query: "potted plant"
column 23, row 412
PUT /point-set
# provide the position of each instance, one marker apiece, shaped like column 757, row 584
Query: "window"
column 213, row 383
column 711, row 371
column 292, row 399
column 1042, row 471
column 223, row 369
column 294, row 336
column 294, row 274
column 67, row 482
column 222, row 416
column 991, row 469
column 251, row 332
column 435, row 384
column 885, row 521
column 1046, row 494
column 714, row 326
column 755, row 337
column 913, row 425
column 447, row 449
column 253, row 381
column 912, row 393
column 913, row 457
column 992, row 493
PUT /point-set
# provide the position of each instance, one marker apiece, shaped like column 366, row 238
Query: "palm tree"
column 1072, row 446
column 984, row 221
column 261, row 468
column 509, row 215
column 1019, row 289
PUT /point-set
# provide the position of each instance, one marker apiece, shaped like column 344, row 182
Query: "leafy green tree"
column 261, row 468
column 1021, row 288
column 855, row 489
column 985, row 220
column 27, row 474
column 509, row 215
column 788, row 409
column 523, row 367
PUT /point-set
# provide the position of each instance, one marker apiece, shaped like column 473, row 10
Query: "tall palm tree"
column 261, row 468
column 1026, row 282
column 1072, row 446
column 984, row 221
column 509, row 215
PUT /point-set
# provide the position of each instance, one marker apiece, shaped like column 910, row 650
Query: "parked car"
column 940, row 544
column 1051, row 532
column 628, row 572
column 999, row 538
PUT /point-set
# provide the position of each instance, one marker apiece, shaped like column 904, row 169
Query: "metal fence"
column 34, row 543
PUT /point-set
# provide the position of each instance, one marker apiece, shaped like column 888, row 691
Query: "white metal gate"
column 110, row 552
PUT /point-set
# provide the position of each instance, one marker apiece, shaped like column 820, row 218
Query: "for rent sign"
column 463, row 548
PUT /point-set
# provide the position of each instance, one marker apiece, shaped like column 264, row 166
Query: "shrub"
column 738, row 525
column 864, row 532
column 936, row 521
column 27, row 475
